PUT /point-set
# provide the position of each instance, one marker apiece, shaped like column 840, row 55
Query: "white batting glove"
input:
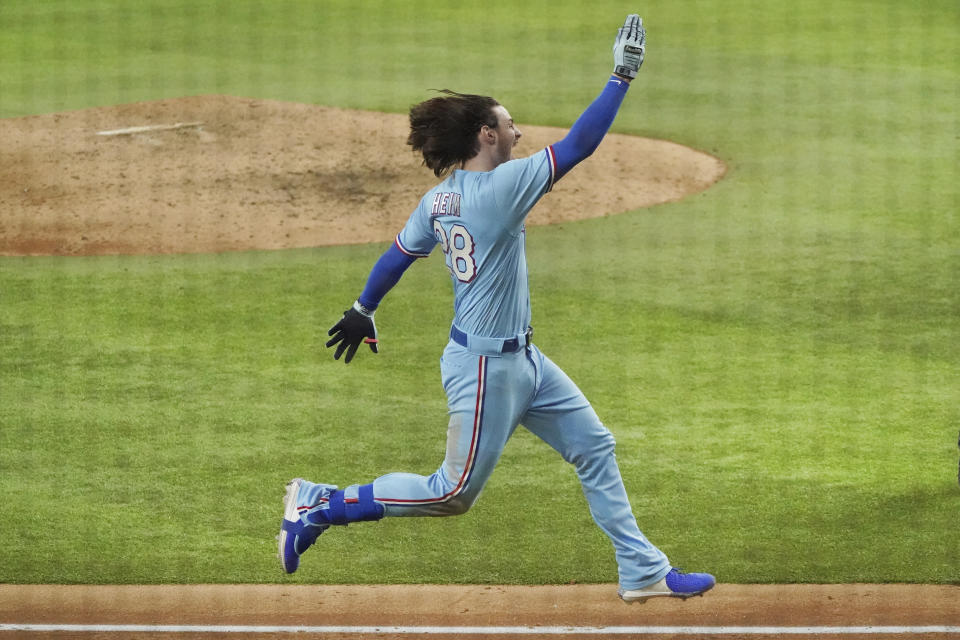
column 629, row 47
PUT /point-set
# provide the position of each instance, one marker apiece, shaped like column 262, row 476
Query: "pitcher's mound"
column 220, row 173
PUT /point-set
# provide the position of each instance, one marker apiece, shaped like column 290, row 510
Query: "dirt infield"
column 277, row 611
column 218, row 173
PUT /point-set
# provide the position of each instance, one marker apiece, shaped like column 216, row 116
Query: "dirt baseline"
column 405, row 611
column 220, row 173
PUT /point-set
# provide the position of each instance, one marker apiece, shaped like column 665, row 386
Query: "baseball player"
column 494, row 377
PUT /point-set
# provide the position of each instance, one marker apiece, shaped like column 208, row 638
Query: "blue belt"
column 510, row 345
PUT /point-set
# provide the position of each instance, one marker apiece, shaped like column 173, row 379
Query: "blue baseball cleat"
column 296, row 534
column 676, row 584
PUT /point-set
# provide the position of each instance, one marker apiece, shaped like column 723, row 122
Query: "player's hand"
column 354, row 327
column 629, row 47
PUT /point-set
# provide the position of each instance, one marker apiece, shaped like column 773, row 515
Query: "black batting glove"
column 354, row 327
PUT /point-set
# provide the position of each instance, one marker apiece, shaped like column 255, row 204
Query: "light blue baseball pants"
column 488, row 396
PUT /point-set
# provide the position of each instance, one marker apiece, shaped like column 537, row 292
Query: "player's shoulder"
column 534, row 171
column 520, row 169
column 519, row 165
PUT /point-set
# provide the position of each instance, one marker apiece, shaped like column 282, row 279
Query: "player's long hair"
column 445, row 128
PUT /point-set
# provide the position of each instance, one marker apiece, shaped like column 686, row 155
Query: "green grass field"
column 778, row 357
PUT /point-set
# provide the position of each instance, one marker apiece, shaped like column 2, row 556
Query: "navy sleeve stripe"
column 407, row 251
column 552, row 159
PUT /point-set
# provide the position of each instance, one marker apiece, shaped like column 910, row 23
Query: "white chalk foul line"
column 500, row 631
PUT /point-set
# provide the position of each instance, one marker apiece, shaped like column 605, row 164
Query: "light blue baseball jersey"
column 477, row 218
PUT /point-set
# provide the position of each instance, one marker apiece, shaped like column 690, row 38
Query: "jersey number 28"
column 458, row 247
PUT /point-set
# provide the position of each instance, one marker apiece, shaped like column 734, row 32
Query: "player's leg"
column 584, row 442
column 561, row 415
column 485, row 396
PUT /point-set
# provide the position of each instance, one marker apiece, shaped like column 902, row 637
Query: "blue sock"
column 342, row 510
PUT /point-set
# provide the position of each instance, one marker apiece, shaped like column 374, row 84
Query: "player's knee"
column 452, row 505
column 608, row 441
column 458, row 505
column 594, row 449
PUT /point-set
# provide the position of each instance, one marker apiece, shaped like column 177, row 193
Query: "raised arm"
column 592, row 125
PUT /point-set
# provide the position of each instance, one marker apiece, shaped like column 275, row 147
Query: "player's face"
column 508, row 135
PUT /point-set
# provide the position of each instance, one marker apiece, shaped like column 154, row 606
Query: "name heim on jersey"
column 446, row 203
